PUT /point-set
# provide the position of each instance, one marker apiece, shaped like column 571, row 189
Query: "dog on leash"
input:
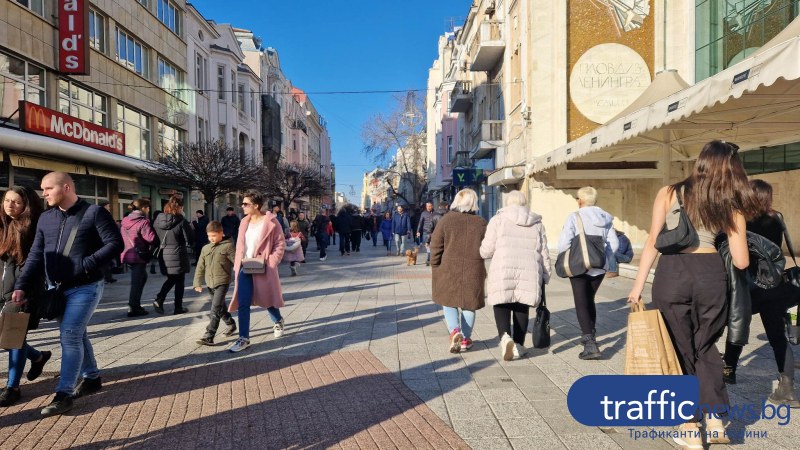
column 411, row 256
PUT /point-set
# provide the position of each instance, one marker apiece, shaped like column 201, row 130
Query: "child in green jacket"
column 216, row 265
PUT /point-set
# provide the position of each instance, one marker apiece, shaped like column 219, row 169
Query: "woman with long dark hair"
column 138, row 236
column 690, row 286
column 18, row 218
column 770, row 304
column 176, row 237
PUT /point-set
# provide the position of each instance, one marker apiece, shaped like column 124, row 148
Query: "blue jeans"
column 615, row 259
column 16, row 362
column 400, row 242
column 77, row 355
column 467, row 319
column 245, row 295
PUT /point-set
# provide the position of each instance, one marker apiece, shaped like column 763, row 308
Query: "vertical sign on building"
column 73, row 37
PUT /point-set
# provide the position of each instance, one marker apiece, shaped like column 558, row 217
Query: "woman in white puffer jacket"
column 515, row 241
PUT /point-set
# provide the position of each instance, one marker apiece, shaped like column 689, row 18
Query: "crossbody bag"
column 53, row 301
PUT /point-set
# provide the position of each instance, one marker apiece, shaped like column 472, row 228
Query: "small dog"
column 411, row 256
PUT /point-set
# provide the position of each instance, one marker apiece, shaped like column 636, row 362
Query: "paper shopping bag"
column 649, row 349
column 13, row 328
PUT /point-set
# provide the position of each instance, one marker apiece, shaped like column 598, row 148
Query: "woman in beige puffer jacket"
column 515, row 241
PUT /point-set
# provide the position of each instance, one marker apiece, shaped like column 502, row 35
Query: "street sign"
column 467, row 177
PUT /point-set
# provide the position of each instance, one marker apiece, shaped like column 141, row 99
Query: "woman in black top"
column 770, row 304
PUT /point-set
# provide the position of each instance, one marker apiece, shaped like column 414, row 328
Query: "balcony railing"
column 490, row 138
column 298, row 124
column 461, row 97
column 487, row 46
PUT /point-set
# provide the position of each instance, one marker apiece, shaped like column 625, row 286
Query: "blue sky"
column 352, row 45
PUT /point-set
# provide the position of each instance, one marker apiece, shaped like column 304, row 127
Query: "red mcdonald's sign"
column 40, row 120
column 73, row 36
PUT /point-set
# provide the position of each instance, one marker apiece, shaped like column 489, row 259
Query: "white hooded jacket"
column 516, row 242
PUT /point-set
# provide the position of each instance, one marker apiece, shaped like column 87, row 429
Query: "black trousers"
column 515, row 314
column 690, row 290
column 584, row 289
column 771, row 306
column 138, row 280
column 355, row 240
column 344, row 243
column 219, row 311
column 176, row 281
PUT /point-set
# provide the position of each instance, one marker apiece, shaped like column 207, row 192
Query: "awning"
column 32, row 162
column 108, row 173
column 754, row 103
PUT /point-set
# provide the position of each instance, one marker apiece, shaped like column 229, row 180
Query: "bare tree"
column 211, row 167
column 290, row 182
column 397, row 141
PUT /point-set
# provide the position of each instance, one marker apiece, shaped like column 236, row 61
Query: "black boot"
column 784, row 394
column 158, row 305
column 590, row 349
column 729, row 374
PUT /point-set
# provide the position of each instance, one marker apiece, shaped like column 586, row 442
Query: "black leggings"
column 584, row 288
column 177, row 281
column 771, row 305
column 518, row 313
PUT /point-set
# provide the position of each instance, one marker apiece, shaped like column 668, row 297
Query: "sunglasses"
column 246, row 204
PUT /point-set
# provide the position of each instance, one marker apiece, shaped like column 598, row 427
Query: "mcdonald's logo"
column 35, row 119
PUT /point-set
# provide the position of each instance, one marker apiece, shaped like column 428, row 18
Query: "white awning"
column 754, row 103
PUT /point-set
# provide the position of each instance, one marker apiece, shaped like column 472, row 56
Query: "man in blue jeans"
column 74, row 262
column 401, row 226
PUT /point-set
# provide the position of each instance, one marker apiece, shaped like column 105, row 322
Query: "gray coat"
column 176, row 238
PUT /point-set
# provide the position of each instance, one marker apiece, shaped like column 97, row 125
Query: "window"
column 201, row 130
column 169, row 15
column 233, row 87
column 82, row 103
column 778, row 158
column 19, row 80
column 201, row 73
column 728, row 31
column 168, row 137
column 253, row 103
column 169, row 77
column 449, row 149
column 132, row 54
column 223, row 131
column 136, row 127
column 145, row 3
column 97, row 31
column 240, row 96
column 36, row 6
column 221, row 82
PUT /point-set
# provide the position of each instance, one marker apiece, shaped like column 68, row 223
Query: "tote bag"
column 584, row 253
column 649, row 349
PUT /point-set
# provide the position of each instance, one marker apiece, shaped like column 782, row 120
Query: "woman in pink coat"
column 260, row 237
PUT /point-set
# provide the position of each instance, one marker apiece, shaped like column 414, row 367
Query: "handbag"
column 144, row 254
column 53, row 302
column 541, row 324
column 13, row 327
column 368, row 236
column 253, row 266
column 584, row 253
column 683, row 236
column 649, row 349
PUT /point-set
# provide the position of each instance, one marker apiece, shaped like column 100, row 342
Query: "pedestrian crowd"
column 716, row 233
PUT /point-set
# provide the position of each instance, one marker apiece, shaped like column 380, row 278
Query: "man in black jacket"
column 74, row 242
column 425, row 226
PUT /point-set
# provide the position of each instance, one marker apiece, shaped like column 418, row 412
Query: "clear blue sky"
column 353, row 45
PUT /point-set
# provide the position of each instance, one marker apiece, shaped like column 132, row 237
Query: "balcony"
column 489, row 139
column 461, row 97
column 298, row 124
column 487, row 46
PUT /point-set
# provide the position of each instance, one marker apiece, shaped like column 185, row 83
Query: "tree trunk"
column 210, row 200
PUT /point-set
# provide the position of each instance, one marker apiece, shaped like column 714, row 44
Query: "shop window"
column 778, row 158
column 793, row 156
column 5, row 176
column 135, row 125
column 85, row 185
column 36, row 6
column 728, row 31
column 102, row 187
column 82, row 103
column 20, row 80
column 31, row 178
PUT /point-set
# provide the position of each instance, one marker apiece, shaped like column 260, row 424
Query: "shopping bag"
column 649, row 349
column 13, row 328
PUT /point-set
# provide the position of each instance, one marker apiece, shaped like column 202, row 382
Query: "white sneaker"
column 323, row 258
column 506, row 347
column 277, row 329
column 519, row 351
column 239, row 345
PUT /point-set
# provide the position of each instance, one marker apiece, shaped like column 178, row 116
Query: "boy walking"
column 215, row 264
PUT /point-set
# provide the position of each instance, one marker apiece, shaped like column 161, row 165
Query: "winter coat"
column 356, row 222
column 458, row 270
column 766, row 265
column 137, row 234
column 9, row 274
column 200, row 233
column 596, row 222
column 401, row 224
column 386, row 229
column 305, row 227
column 230, row 225
column 267, row 286
column 97, row 243
column 342, row 223
column 176, row 237
column 426, row 223
column 215, row 264
column 625, row 247
column 294, row 255
column 516, row 242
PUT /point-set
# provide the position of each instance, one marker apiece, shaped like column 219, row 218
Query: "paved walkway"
column 364, row 363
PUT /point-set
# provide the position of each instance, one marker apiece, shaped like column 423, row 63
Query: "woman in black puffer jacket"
column 176, row 237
